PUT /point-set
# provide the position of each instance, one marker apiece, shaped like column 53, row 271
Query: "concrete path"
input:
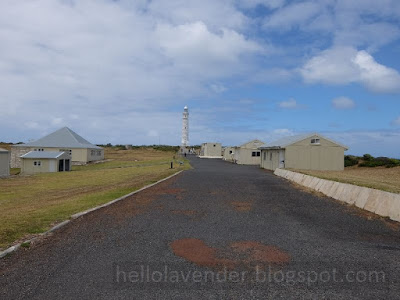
column 219, row 231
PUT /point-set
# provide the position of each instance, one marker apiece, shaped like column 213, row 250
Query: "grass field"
column 386, row 179
column 32, row 204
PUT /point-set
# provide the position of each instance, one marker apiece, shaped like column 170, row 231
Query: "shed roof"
column 289, row 140
column 62, row 138
column 3, row 150
column 252, row 144
column 43, row 154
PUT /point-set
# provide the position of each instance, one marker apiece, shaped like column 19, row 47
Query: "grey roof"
column 62, row 138
column 3, row 150
column 42, row 154
column 252, row 141
column 289, row 140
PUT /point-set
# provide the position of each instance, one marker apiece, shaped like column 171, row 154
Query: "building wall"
column 94, row 154
column 79, row 155
column 324, row 156
column 29, row 168
column 228, row 153
column 4, row 163
column 243, row 156
column 270, row 159
column 306, row 156
column 211, row 149
column 16, row 153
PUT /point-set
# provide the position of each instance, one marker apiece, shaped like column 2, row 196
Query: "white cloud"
column 292, row 15
column 396, row 122
column 345, row 65
column 283, row 132
column 375, row 76
column 85, row 62
column 343, row 103
column 289, row 104
column 272, row 4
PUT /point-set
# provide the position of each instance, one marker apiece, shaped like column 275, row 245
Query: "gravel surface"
column 218, row 231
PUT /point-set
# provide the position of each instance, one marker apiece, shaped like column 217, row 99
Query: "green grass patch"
column 32, row 204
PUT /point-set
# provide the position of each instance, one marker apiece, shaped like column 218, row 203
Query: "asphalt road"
column 218, row 231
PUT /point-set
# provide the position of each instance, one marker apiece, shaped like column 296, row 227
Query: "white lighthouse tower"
column 185, row 127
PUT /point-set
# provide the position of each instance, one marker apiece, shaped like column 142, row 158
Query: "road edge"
column 82, row 213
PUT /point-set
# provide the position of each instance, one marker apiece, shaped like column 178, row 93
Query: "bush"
column 367, row 157
column 350, row 160
column 382, row 161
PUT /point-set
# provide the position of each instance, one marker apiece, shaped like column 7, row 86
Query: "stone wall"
column 379, row 202
column 16, row 153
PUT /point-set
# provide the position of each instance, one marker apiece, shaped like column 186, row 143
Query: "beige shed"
column 211, row 150
column 228, row 153
column 62, row 140
column 45, row 162
column 248, row 153
column 4, row 162
column 304, row 152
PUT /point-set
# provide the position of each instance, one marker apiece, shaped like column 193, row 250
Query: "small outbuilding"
column 303, row 152
column 45, row 162
column 62, row 140
column 228, row 153
column 211, row 150
column 4, row 162
column 248, row 153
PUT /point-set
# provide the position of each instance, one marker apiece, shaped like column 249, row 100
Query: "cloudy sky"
column 122, row 71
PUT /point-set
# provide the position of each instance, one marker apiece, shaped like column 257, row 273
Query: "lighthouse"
column 185, row 127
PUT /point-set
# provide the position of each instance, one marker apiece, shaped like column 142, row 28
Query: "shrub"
column 380, row 162
column 350, row 160
column 367, row 157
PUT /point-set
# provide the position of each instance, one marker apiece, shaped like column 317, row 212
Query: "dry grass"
column 386, row 179
column 31, row 204
column 5, row 146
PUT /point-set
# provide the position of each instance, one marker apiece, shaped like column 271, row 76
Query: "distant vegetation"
column 368, row 160
column 155, row 147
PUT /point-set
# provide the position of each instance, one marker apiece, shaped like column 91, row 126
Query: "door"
column 61, row 165
column 52, row 165
column 281, row 159
column 68, row 166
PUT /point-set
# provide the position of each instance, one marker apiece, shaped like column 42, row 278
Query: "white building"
column 248, row 153
column 211, row 150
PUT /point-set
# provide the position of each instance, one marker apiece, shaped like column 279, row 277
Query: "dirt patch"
column 196, row 251
column 242, row 253
column 242, row 206
column 260, row 253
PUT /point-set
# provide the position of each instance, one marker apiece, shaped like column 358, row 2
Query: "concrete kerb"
column 379, row 202
column 394, row 213
column 77, row 215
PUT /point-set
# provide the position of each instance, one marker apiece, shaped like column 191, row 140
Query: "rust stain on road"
column 242, row 206
column 240, row 253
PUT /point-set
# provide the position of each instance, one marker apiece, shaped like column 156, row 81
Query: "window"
column 230, row 151
column 92, row 152
column 37, row 163
column 98, row 152
column 265, row 155
column 214, row 145
column 67, row 151
column 255, row 153
column 258, row 153
column 315, row 141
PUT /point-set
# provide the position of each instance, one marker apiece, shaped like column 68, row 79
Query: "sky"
column 121, row 72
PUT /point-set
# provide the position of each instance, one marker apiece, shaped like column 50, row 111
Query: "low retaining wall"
column 379, row 202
